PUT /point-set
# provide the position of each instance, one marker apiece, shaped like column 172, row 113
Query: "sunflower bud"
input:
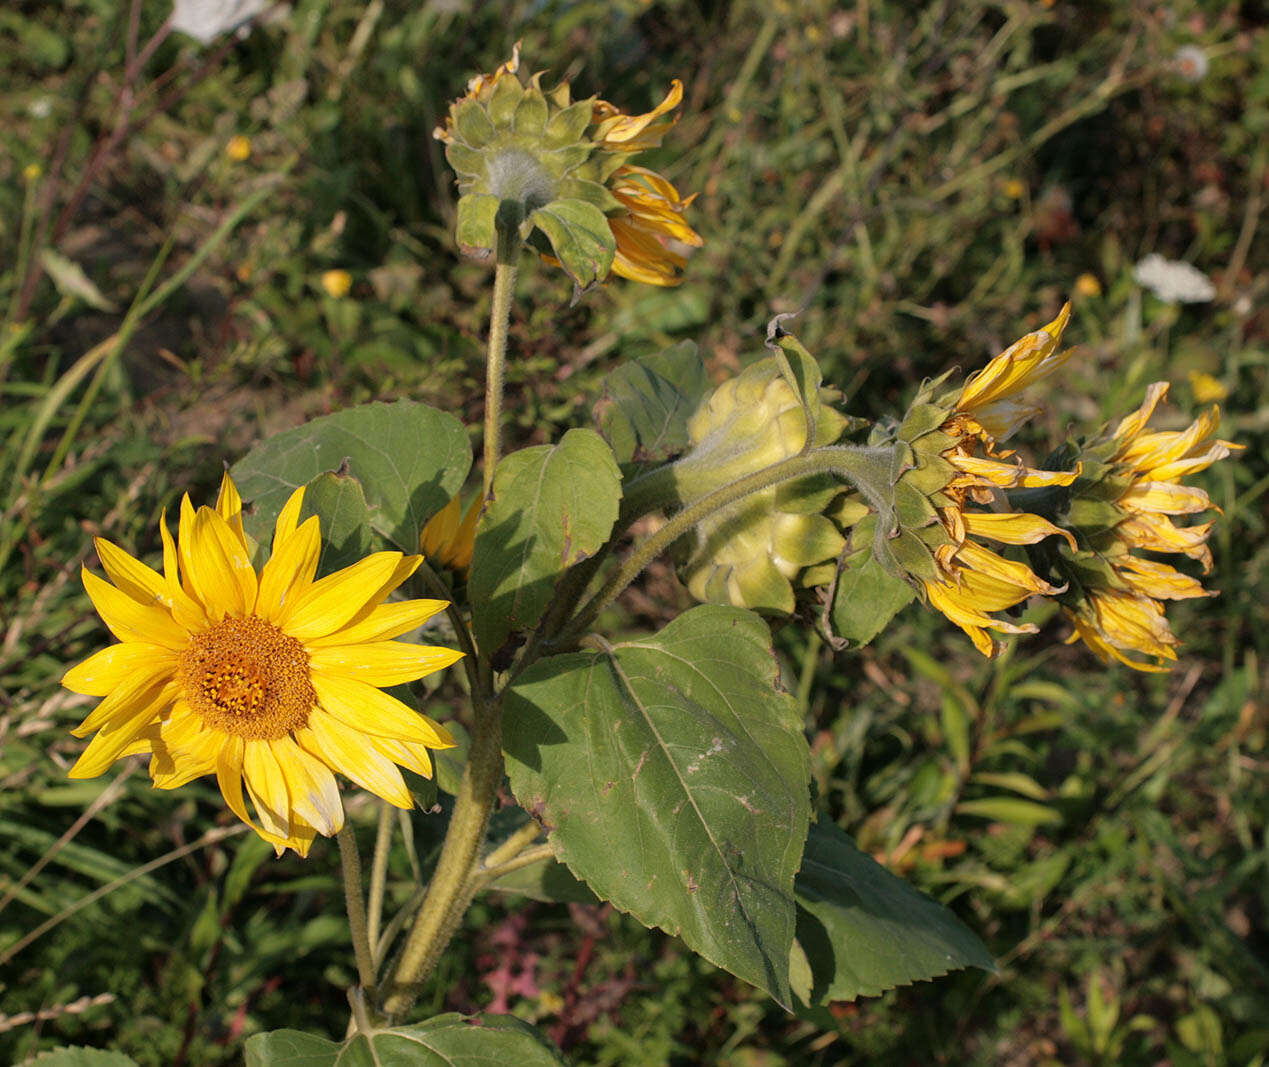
column 751, row 553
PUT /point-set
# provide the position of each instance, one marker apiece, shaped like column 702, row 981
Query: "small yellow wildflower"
column 1206, row 388
column 1014, row 188
column 271, row 679
column 337, row 283
column 238, row 148
column 32, row 172
column 1087, row 285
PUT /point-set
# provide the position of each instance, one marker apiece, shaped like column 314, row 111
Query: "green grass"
column 853, row 163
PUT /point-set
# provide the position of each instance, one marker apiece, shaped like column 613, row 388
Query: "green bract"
column 524, row 161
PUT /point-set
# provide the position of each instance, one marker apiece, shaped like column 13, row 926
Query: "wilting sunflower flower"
column 561, row 171
column 269, row 679
column 449, row 536
column 1124, row 502
column 955, row 465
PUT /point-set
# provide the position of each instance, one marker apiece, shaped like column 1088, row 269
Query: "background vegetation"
column 924, row 183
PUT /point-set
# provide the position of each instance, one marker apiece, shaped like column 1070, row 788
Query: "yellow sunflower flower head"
column 752, row 553
column 449, row 536
column 268, row 680
column 1126, row 501
column 561, row 173
column 949, row 497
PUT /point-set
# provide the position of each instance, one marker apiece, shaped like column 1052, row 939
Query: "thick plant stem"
column 350, row 860
column 496, row 361
column 448, row 894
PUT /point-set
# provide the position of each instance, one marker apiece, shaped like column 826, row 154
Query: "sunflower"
column 1126, row 504
column 269, row 679
column 971, row 581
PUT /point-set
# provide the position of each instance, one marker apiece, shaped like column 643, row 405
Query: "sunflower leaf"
column 673, row 777
column 580, row 237
column 647, row 403
column 409, row 458
column 552, row 507
column 861, row 930
column 450, row 1040
column 340, row 504
column 867, row 598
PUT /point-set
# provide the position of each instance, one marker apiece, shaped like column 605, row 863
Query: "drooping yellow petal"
column 382, row 663
column 115, row 735
column 1158, row 580
column 266, row 785
column 338, row 746
column 986, row 563
column 1132, row 425
column 633, row 133
column 314, row 796
column 1165, row 497
column 1012, row 528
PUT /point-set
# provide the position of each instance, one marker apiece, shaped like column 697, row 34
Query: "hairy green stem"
column 496, row 362
column 526, row 858
column 862, row 466
column 350, row 860
column 448, row 892
column 379, row 875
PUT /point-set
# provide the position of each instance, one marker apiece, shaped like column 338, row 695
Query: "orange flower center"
column 246, row 677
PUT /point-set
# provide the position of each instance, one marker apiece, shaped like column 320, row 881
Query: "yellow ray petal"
column 334, row 601
column 114, row 736
column 1013, row 528
column 266, row 785
column 1024, row 363
column 1132, row 425
column 371, row 711
column 310, row 785
column 129, row 620
column 229, row 507
column 185, row 609
column 623, row 132
column 289, row 572
column 385, row 621
column 382, row 663
column 1166, row 498
column 416, row 758
column 288, row 518
column 346, row 751
column 1158, row 580
column 110, row 667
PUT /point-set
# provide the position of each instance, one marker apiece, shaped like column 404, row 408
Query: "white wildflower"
column 1173, row 282
column 205, row 20
column 1190, row 62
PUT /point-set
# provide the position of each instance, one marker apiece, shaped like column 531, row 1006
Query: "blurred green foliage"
column 923, row 183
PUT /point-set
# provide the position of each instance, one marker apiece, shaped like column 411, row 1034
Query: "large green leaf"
column 648, row 401
column 862, row 930
column 450, row 1040
column 673, row 777
column 409, row 458
column 552, row 507
column 867, row 598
